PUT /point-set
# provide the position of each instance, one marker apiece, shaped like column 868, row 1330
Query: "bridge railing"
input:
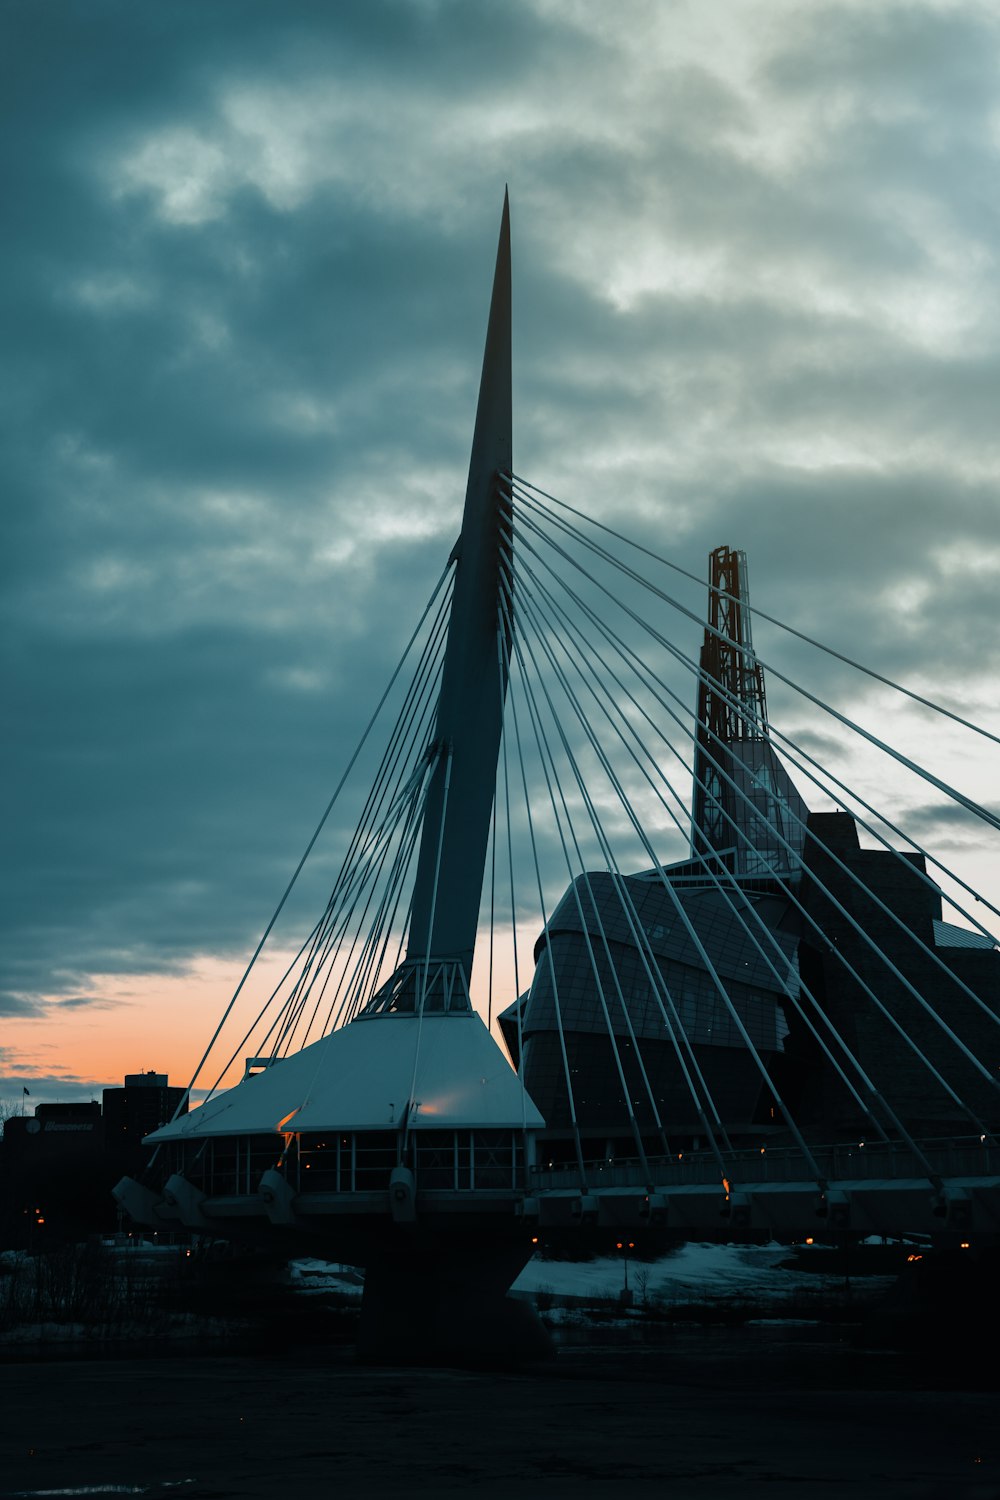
column 861, row 1160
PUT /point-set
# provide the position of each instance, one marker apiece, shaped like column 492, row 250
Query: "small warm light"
column 631, row 1244
column 618, row 1245
column 861, row 1144
column 680, row 1156
column 762, row 1150
column 534, row 1239
column 964, row 1245
column 40, row 1221
column 809, row 1240
column 914, row 1257
column 725, row 1184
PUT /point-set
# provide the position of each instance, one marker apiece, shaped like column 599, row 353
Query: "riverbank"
column 713, row 1413
column 144, row 1302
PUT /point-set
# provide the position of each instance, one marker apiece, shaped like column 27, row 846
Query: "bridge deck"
column 953, row 1193
column 859, row 1161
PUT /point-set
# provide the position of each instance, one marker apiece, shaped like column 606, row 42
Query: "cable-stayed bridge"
column 726, row 1012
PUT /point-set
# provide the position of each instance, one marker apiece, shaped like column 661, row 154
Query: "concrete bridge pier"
column 448, row 1302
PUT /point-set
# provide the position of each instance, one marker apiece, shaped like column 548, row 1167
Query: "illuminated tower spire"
column 742, row 792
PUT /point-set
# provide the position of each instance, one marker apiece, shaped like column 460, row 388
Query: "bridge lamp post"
column 625, row 1246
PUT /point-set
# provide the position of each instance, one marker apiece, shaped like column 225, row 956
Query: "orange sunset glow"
column 163, row 1022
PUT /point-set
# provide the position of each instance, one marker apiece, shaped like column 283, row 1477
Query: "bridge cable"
column 568, row 626
column 762, row 614
column 600, row 923
column 674, row 1028
column 186, row 1094
column 546, row 756
column 787, row 891
column 563, row 625
column 364, row 980
column 352, row 984
column 677, row 654
column 519, row 1000
column 274, row 1024
column 323, row 1054
column 967, row 802
column 709, row 966
column 364, row 874
column 316, row 936
column 541, row 906
column 411, row 725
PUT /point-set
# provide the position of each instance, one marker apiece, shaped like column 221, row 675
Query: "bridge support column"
column 183, row 1196
column 145, row 1205
column 448, row 1302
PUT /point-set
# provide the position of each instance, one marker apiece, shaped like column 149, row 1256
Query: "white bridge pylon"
column 739, row 1012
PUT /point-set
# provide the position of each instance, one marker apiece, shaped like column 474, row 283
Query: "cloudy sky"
column 247, row 254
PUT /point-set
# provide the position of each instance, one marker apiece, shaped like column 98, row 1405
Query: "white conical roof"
column 359, row 1078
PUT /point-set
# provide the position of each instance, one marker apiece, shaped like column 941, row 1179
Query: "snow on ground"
column 310, row 1276
column 693, row 1273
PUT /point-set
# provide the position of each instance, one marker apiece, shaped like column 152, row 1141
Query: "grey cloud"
column 67, row 1087
column 936, row 816
column 237, row 444
column 880, row 52
column 14, row 1004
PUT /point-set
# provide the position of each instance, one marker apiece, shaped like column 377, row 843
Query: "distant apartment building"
column 144, row 1103
column 59, row 1163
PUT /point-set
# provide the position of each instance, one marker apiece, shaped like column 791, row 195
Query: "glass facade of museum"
column 656, row 979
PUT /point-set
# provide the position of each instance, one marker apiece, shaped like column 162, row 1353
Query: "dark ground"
column 712, row 1413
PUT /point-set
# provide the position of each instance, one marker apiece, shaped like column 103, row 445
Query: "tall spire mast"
column 731, row 703
column 456, row 821
column 745, row 807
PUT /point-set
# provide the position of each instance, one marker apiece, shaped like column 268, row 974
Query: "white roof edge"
column 362, row 1077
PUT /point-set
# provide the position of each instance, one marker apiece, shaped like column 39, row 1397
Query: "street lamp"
column 625, row 1246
